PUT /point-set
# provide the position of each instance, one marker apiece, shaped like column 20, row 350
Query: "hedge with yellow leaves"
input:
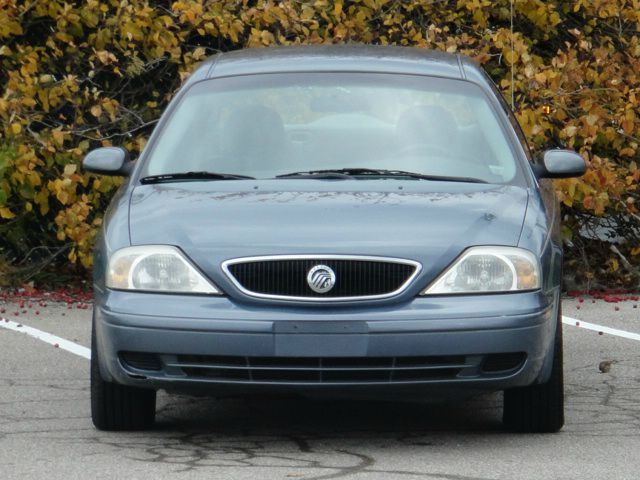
column 78, row 74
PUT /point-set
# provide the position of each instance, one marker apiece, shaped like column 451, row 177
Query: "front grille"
column 321, row 370
column 354, row 277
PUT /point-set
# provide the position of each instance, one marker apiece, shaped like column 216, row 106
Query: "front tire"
column 118, row 407
column 539, row 408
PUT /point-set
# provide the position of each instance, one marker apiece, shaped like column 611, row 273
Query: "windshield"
column 267, row 125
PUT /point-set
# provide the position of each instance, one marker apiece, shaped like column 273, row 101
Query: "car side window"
column 511, row 116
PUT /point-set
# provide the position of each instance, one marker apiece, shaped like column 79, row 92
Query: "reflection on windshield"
column 267, row 125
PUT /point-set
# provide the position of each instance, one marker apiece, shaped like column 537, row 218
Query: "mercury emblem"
column 321, row 278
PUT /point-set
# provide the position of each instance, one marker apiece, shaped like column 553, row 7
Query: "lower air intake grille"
column 141, row 360
column 318, row 370
column 502, row 362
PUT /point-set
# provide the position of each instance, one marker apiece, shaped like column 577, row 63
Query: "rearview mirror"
column 108, row 161
column 560, row 164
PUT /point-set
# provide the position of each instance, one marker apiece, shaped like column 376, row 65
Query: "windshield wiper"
column 318, row 174
column 379, row 172
column 177, row 177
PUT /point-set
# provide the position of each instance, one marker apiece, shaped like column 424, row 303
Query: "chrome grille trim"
column 323, row 257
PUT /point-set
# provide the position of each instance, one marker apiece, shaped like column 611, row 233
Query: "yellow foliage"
column 76, row 75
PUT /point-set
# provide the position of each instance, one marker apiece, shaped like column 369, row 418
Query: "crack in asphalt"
column 195, row 451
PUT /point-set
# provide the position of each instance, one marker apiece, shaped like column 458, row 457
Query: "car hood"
column 428, row 222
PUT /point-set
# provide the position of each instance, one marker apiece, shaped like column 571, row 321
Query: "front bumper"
column 225, row 347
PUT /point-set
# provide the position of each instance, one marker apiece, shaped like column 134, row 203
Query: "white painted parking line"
column 574, row 322
column 54, row 340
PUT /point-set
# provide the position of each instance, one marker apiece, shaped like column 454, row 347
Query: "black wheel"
column 538, row 408
column 118, row 407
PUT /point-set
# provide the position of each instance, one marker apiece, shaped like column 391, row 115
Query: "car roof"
column 343, row 58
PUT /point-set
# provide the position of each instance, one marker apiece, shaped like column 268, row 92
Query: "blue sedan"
column 334, row 219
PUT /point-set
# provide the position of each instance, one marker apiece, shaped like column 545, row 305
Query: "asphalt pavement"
column 46, row 430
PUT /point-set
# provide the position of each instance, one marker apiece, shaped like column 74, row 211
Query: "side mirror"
column 108, row 161
column 560, row 164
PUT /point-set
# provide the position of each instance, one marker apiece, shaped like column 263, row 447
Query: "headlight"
column 156, row 268
column 489, row 269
